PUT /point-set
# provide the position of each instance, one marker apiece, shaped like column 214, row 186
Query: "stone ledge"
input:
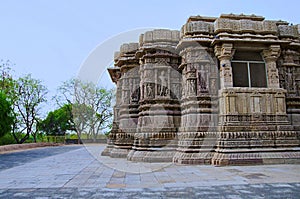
column 17, row 147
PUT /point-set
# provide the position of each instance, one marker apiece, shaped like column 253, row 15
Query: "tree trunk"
column 24, row 138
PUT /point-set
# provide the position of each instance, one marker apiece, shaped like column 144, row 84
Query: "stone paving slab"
column 18, row 147
column 12, row 159
column 229, row 191
column 80, row 172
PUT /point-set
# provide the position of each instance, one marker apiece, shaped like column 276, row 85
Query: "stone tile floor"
column 80, row 172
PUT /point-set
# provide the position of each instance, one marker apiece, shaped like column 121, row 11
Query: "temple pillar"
column 289, row 77
column 129, row 100
column 197, row 133
column 270, row 56
column 115, row 75
column 159, row 110
column 224, row 53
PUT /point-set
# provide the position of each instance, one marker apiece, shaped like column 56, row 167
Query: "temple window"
column 248, row 69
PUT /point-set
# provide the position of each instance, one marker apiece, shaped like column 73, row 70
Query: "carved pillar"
column 128, row 103
column 196, row 134
column 224, row 53
column 271, row 55
column 115, row 75
column 159, row 116
column 289, row 77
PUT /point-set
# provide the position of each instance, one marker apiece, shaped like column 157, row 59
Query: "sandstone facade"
column 221, row 91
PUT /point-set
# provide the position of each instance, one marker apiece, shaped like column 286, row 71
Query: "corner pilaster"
column 271, row 55
column 225, row 53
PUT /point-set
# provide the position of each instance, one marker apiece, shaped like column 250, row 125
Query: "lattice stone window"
column 248, row 69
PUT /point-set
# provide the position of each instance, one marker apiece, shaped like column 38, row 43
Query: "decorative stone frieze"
column 288, row 31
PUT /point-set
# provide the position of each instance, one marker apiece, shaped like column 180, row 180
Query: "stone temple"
column 222, row 91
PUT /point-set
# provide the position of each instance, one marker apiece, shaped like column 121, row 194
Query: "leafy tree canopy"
column 58, row 121
column 6, row 116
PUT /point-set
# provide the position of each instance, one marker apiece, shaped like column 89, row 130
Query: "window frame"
column 249, row 73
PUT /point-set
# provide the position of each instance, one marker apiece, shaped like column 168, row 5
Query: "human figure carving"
column 213, row 86
column 163, row 83
column 135, row 95
column 149, row 90
column 192, row 86
column 202, row 83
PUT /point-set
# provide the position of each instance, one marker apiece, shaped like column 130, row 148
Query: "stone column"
column 271, row 55
column 197, row 133
column 224, row 53
column 159, row 116
column 289, row 77
column 129, row 99
column 115, row 75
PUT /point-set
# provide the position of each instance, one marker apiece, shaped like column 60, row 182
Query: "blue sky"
column 51, row 39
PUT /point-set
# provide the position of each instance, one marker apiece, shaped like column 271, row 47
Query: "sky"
column 54, row 40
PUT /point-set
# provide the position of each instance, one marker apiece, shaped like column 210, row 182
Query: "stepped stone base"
column 151, row 156
column 119, row 153
column 107, row 151
column 288, row 157
column 193, row 158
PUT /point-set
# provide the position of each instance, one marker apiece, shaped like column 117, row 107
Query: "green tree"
column 91, row 106
column 6, row 116
column 58, row 121
column 29, row 95
column 6, row 80
column 7, row 93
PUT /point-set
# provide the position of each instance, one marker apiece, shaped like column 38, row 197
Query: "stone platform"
column 80, row 172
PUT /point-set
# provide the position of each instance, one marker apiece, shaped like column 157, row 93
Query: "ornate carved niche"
column 289, row 71
column 203, row 74
column 175, row 84
column 202, row 82
column 290, row 79
column 213, row 86
column 190, row 81
column 282, row 73
column 135, row 95
column 149, row 90
column 162, row 82
column 176, row 91
column 298, row 88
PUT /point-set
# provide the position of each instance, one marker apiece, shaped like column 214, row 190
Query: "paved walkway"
column 80, row 172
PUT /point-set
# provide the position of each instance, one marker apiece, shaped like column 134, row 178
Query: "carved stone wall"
column 127, row 99
column 289, row 78
column 115, row 75
column 198, row 104
column 159, row 116
column 177, row 97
